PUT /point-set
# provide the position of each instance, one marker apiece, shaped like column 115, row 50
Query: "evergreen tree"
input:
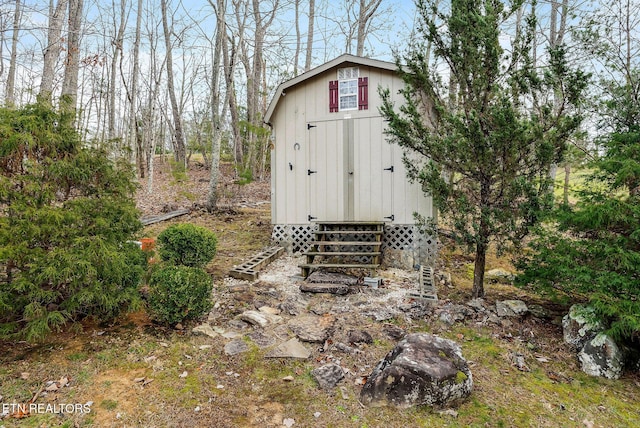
column 66, row 214
column 593, row 252
column 482, row 146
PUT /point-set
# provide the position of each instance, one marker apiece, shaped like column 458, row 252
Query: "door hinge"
column 309, row 172
column 391, row 217
column 310, row 217
column 309, row 126
column 390, row 169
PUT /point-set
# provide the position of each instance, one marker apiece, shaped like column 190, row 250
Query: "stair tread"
column 339, row 265
column 376, row 243
column 342, row 253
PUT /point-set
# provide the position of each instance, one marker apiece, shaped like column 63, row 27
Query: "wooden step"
column 339, row 265
column 347, row 243
column 342, row 253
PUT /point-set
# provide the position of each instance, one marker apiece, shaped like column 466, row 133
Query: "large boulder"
column 421, row 369
column 602, row 357
column 579, row 327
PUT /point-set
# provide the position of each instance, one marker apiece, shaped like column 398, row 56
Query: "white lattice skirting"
column 403, row 246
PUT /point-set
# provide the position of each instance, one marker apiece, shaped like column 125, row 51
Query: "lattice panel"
column 409, row 238
column 295, row 238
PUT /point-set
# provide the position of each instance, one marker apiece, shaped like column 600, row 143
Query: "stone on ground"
column 579, row 327
column 339, row 289
column 312, row 328
column 602, row 357
column 511, row 308
column 289, row 349
column 328, row 376
column 236, row 347
column 204, row 330
column 421, row 369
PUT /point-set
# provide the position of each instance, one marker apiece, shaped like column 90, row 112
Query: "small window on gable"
column 349, row 92
column 348, row 88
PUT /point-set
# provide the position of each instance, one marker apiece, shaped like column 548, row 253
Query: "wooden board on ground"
column 249, row 270
column 146, row 221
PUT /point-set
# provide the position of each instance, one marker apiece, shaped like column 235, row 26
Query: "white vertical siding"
column 377, row 193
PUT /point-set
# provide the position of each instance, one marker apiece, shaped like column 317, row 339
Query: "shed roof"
column 345, row 58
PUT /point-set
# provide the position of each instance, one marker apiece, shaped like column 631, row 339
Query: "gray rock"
column 382, row 314
column 499, row 275
column 579, row 327
column 602, row 357
column 261, row 339
column 393, row 331
column 451, row 313
column 204, row 330
column 312, row 328
column 339, row 289
column 332, row 278
column 238, row 324
column 511, row 308
column 289, row 349
column 539, row 311
column 421, row 369
column 359, row 336
column 236, row 347
column 478, row 305
column 328, row 376
column 259, row 318
column 292, row 306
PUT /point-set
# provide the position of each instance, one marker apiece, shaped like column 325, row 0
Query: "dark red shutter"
column 363, row 93
column 333, row 96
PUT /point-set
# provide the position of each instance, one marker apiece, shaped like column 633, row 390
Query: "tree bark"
column 312, row 14
column 221, row 34
column 133, row 113
column 52, row 51
column 72, row 65
column 179, row 140
column 366, row 13
column 11, row 77
column 117, row 50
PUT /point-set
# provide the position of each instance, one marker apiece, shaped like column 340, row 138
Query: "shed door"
column 327, row 175
column 373, row 171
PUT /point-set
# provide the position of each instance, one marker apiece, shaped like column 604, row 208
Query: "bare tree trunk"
column 296, row 56
column 133, row 114
column 117, row 49
column 312, row 15
column 221, row 34
column 52, row 51
column 72, row 65
column 366, row 13
column 179, row 140
column 11, row 77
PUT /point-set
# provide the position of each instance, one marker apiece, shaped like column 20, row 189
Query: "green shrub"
column 187, row 245
column 179, row 293
column 66, row 212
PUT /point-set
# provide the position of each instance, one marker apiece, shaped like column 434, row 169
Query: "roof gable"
column 345, row 58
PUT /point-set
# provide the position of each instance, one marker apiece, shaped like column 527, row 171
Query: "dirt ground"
column 136, row 373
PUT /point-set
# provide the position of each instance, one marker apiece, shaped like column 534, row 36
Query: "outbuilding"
column 331, row 162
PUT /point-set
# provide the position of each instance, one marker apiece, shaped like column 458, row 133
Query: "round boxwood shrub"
column 188, row 245
column 179, row 293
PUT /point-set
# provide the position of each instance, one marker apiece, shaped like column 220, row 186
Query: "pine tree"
column 593, row 251
column 66, row 214
column 482, row 146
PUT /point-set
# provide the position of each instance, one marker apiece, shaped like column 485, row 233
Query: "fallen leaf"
column 24, row 375
column 63, row 382
column 51, row 388
column 288, row 422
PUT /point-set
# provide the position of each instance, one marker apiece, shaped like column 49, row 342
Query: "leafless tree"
column 11, row 77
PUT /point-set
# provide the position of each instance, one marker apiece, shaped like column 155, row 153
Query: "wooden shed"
column 331, row 163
